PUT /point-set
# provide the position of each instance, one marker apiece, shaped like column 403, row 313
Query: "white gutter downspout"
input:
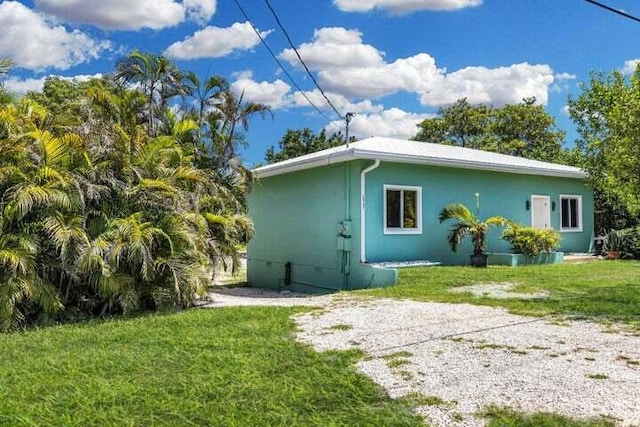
column 363, row 228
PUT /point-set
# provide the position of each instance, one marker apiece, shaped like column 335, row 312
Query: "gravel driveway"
column 473, row 356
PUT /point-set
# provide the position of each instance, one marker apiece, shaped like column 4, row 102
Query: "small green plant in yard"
column 340, row 327
column 598, row 377
column 419, row 399
column 394, row 363
column 629, row 361
column 398, row 358
column 405, row 375
column 506, row 417
column 538, row 347
column 604, row 291
column 217, row 367
column 402, row 353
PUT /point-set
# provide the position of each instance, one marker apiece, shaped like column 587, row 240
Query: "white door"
column 540, row 212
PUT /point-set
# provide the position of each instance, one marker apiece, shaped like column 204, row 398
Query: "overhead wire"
column 284, row 70
column 614, row 10
column 275, row 15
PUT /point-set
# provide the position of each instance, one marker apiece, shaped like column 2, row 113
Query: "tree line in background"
column 118, row 194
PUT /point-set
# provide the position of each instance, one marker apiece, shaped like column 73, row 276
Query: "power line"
column 275, row 15
column 614, row 10
column 280, row 63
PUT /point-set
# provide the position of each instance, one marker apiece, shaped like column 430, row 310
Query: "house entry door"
column 540, row 212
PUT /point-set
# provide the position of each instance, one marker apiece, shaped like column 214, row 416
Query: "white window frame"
column 401, row 230
column 571, row 197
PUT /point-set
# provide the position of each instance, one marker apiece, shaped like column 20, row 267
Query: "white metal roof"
column 423, row 153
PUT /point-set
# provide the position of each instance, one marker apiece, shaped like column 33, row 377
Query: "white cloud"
column 401, row 7
column 342, row 104
column 561, row 82
column 274, row 94
column 18, row 85
column 130, row 15
column 393, row 123
column 335, row 47
column 565, row 76
column 345, row 65
column 200, row 11
column 21, row 86
column 630, row 66
column 415, row 74
column 215, row 42
column 277, row 94
column 496, row 86
column 33, row 43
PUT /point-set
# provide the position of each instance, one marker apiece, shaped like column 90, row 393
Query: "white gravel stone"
column 472, row 356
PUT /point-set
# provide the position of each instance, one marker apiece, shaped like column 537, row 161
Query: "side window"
column 570, row 213
column 402, row 209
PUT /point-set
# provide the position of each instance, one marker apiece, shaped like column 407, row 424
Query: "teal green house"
column 335, row 219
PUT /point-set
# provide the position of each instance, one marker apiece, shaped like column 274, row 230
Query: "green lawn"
column 225, row 367
column 505, row 417
column 603, row 290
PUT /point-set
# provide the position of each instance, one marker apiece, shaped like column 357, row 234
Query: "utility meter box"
column 345, row 228
column 344, row 244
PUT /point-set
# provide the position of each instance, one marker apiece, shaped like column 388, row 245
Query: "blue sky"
column 393, row 62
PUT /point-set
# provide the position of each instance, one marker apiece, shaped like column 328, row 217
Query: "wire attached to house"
column 275, row 15
column 280, row 63
column 614, row 10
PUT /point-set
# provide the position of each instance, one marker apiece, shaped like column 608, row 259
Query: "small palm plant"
column 468, row 225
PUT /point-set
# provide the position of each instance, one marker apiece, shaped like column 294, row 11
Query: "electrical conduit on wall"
column 363, row 228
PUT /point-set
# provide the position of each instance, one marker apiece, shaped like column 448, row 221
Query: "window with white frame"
column 570, row 212
column 402, row 209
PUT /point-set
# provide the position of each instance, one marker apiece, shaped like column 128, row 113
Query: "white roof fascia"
column 343, row 154
column 304, row 162
column 469, row 164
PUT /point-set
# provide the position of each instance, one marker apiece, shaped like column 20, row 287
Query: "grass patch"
column 232, row 366
column 395, row 363
column 598, row 376
column 397, row 359
column 402, row 353
column 629, row 361
column 340, row 327
column 419, row 399
column 505, row 417
column 596, row 290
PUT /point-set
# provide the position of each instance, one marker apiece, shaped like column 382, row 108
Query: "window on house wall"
column 402, row 209
column 570, row 213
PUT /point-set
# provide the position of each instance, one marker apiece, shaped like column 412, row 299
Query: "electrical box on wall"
column 344, row 244
column 345, row 228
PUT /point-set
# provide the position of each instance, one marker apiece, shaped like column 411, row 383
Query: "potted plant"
column 469, row 225
column 614, row 244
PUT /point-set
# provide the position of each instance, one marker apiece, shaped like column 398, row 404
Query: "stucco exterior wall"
column 297, row 217
column 501, row 194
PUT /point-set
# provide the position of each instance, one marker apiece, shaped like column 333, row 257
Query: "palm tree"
column 158, row 78
column 468, row 225
column 5, row 66
column 233, row 111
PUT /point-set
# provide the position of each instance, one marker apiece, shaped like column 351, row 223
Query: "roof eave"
column 303, row 163
column 469, row 164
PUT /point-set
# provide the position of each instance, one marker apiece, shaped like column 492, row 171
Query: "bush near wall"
column 631, row 245
column 530, row 241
